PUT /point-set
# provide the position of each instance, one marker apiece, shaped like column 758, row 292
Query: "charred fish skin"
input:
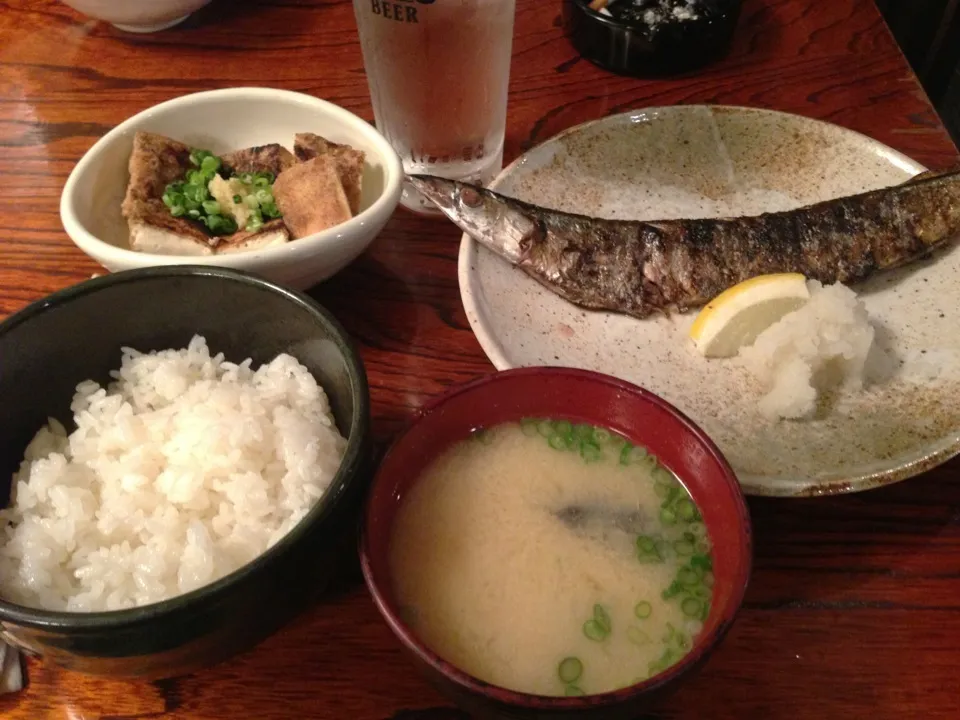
column 642, row 267
column 597, row 265
column 587, row 261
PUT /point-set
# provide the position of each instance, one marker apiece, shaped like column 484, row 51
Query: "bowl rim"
column 612, row 22
column 705, row 643
column 608, row 20
column 384, row 204
column 346, row 474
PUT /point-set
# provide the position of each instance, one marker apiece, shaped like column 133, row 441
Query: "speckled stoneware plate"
column 700, row 161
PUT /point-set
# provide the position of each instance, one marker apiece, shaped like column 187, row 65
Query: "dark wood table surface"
column 854, row 607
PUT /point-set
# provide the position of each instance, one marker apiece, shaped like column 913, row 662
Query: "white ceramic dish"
column 220, row 121
column 698, row 161
column 140, row 16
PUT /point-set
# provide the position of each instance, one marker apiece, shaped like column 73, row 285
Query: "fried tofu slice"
column 155, row 162
column 272, row 158
column 156, row 231
column 311, row 196
column 308, row 146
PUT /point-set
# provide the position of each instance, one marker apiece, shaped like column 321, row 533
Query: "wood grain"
column 853, row 610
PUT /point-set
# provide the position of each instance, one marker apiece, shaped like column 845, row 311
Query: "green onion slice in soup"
column 570, row 670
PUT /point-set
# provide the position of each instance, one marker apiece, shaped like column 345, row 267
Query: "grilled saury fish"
column 642, row 267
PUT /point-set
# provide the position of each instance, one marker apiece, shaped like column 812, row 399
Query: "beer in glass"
column 438, row 73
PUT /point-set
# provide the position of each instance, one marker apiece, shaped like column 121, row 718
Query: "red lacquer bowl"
column 578, row 396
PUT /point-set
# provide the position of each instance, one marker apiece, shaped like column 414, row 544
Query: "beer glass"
column 438, row 72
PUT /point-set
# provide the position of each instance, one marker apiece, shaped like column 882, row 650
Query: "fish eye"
column 470, row 197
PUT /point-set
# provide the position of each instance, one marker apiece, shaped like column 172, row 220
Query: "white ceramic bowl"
column 221, row 121
column 138, row 15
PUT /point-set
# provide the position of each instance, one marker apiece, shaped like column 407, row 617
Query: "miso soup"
column 553, row 559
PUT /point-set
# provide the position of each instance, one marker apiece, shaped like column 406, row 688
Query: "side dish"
column 182, row 470
column 552, row 558
column 819, row 348
column 799, row 338
column 188, row 201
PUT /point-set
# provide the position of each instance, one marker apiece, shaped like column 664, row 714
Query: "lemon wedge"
column 738, row 315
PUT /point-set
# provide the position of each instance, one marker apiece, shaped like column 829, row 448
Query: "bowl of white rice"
column 182, row 457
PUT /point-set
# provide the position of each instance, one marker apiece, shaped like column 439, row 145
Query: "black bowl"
column 78, row 333
column 638, row 50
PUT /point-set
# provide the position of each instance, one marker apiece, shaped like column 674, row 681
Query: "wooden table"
column 854, row 608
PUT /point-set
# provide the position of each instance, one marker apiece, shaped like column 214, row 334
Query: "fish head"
column 495, row 221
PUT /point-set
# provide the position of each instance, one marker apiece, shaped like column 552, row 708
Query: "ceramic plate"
column 701, row 161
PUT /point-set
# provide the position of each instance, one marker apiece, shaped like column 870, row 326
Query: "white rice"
column 184, row 469
column 820, row 347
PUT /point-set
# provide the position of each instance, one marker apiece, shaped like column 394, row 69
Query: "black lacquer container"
column 648, row 38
